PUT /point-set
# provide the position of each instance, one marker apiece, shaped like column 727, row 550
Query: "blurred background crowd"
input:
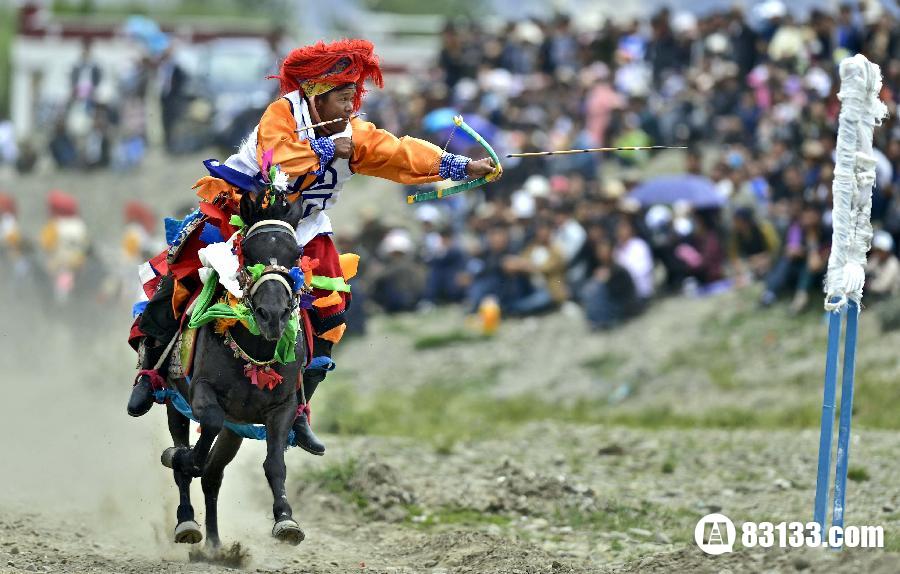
column 753, row 97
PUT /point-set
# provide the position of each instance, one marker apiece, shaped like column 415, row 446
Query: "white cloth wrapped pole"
column 854, row 178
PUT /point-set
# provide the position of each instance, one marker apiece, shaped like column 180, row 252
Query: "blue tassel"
column 173, row 226
column 321, row 362
column 138, row 308
column 211, row 234
column 297, row 276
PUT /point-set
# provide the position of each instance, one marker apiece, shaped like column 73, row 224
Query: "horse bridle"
column 273, row 271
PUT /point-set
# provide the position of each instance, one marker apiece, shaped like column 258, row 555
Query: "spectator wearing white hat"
column 398, row 285
column 883, row 268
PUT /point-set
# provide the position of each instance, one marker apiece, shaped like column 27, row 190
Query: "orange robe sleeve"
column 278, row 131
column 381, row 154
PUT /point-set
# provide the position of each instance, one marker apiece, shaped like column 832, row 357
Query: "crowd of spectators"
column 756, row 104
column 753, row 97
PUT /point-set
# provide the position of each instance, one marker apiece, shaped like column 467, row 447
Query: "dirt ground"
column 557, row 488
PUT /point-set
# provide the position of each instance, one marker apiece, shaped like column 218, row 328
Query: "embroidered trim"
column 324, row 148
column 454, row 167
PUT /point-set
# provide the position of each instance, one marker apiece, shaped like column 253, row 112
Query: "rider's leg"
column 304, row 436
column 159, row 324
column 328, row 324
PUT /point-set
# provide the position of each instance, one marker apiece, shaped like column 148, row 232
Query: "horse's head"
column 270, row 240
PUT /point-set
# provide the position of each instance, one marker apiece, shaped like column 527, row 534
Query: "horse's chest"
column 243, row 402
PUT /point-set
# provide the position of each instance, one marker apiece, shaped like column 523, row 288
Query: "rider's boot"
column 303, row 434
column 142, row 393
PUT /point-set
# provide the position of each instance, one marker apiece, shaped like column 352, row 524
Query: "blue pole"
column 843, row 451
column 827, row 426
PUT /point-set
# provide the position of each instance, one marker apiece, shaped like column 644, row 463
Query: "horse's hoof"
column 168, row 456
column 288, row 530
column 188, row 532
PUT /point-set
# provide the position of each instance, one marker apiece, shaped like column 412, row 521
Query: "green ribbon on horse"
column 204, row 312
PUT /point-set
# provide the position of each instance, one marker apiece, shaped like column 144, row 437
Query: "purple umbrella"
column 697, row 190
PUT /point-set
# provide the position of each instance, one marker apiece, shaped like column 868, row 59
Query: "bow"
column 466, row 185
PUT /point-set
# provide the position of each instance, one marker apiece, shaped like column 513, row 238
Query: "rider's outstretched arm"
column 406, row 160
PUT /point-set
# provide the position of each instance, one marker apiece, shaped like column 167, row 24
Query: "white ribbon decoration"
column 220, row 257
column 854, row 178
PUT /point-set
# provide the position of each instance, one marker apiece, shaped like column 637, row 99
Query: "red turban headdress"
column 322, row 67
column 61, row 204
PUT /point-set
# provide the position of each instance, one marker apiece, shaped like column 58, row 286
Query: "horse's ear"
column 295, row 213
column 248, row 208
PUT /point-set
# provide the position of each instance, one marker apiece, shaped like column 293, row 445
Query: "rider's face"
column 337, row 103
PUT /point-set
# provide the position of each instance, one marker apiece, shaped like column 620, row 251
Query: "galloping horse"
column 219, row 388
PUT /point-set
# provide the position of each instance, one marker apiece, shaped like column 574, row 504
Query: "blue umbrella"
column 147, row 32
column 439, row 119
column 440, row 123
column 697, row 190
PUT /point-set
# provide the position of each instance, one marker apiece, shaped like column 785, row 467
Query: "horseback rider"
column 65, row 242
column 318, row 83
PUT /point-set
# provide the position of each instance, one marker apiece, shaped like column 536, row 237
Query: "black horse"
column 220, row 390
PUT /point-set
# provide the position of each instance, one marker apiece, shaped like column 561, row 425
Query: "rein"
column 255, row 228
column 273, row 271
column 251, row 282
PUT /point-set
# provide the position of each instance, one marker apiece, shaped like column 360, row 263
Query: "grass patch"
column 337, row 478
column 714, row 358
column 440, row 340
column 874, row 400
column 452, row 516
column 446, row 413
column 617, row 517
column 668, row 465
column 858, row 474
column 729, row 351
column 891, row 541
column 604, row 366
column 396, row 325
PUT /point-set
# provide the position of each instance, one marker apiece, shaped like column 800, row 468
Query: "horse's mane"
column 267, row 206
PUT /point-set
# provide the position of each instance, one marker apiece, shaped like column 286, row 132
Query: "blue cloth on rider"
column 453, row 167
column 324, row 148
column 236, row 178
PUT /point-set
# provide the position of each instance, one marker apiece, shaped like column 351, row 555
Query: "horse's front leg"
column 223, row 452
column 187, row 530
column 278, row 424
column 211, row 417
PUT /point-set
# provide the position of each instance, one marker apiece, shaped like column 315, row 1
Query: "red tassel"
column 262, row 378
column 157, row 383
column 304, row 408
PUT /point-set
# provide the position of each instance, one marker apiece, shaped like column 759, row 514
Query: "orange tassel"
column 335, row 334
column 333, row 299
column 349, row 265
